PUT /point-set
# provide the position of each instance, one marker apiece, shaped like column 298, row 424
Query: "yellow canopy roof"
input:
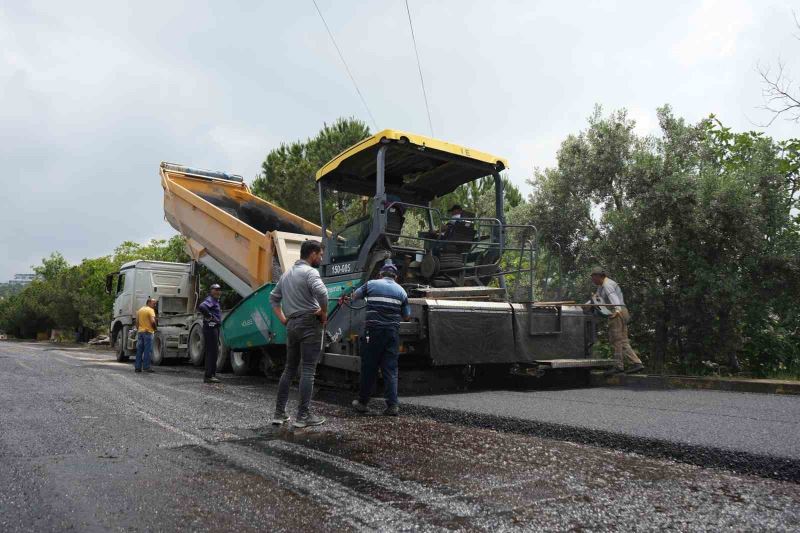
column 417, row 165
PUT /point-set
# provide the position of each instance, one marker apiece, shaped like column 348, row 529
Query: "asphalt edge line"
column 778, row 468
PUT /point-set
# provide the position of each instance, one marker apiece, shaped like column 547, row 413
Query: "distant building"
column 21, row 279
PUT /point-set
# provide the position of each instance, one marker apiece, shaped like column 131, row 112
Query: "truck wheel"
column 223, row 357
column 272, row 363
column 159, row 346
column 122, row 336
column 197, row 347
column 266, row 367
column 243, row 363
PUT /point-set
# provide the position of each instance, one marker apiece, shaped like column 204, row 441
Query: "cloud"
column 646, row 120
column 96, row 94
column 241, row 145
column 713, row 32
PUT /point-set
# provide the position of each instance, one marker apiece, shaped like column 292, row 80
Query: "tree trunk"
column 728, row 338
column 662, row 339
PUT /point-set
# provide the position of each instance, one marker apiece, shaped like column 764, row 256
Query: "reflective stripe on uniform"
column 383, row 299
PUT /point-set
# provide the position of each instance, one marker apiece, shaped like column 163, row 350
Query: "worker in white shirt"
column 609, row 293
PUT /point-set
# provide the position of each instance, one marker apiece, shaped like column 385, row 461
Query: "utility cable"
column 419, row 67
column 341, row 56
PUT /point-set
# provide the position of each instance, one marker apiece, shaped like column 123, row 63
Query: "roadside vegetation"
column 73, row 297
column 699, row 224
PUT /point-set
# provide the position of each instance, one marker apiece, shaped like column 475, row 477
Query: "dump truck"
column 466, row 319
column 246, row 241
column 176, row 287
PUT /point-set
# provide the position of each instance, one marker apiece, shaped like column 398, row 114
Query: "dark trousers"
column 303, row 349
column 211, row 338
column 380, row 352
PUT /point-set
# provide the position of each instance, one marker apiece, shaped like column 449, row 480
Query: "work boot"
column 280, row 418
column 392, row 410
column 613, row 371
column 149, row 370
column 308, row 420
column 638, row 367
column 138, row 370
column 212, row 379
column 360, row 407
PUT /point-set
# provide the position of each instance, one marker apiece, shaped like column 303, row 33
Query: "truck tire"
column 272, row 363
column 159, row 347
column 223, row 356
column 243, row 363
column 197, row 348
column 119, row 344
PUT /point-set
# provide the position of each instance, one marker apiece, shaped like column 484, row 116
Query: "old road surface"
column 87, row 445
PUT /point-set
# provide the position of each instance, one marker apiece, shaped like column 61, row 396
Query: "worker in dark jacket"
column 212, row 318
column 387, row 305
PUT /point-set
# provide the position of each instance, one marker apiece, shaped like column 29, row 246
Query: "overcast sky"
column 96, row 94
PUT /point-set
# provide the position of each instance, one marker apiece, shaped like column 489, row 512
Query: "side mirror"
column 110, row 282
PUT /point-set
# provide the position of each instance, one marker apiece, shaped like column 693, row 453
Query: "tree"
column 51, row 267
column 288, row 172
column 780, row 97
column 478, row 197
column 688, row 222
column 172, row 250
column 73, row 296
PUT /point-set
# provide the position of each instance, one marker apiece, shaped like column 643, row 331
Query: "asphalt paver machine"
column 376, row 203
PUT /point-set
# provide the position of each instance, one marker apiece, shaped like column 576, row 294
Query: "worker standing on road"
column 300, row 301
column 212, row 317
column 146, row 326
column 608, row 292
column 387, row 304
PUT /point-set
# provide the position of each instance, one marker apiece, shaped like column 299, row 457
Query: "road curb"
column 639, row 381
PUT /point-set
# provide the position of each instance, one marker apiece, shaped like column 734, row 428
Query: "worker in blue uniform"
column 212, row 318
column 387, row 305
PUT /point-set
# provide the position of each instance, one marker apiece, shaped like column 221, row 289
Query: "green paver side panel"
column 252, row 323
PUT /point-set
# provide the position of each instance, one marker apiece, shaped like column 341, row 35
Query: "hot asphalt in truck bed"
column 87, row 444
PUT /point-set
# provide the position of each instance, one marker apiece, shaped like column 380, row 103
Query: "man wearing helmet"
column 212, row 317
column 387, row 305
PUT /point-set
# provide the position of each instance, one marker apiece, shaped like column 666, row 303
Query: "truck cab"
column 173, row 285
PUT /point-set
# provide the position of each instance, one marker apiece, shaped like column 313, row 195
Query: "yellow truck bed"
column 237, row 235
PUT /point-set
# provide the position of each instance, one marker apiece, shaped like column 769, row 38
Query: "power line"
column 363, row 101
column 419, row 67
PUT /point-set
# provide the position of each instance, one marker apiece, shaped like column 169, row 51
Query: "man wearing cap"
column 387, row 304
column 212, row 317
column 456, row 212
column 609, row 293
column 300, row 301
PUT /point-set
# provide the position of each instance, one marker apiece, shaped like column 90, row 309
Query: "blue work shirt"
column 387, row 303
column 210, row 310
